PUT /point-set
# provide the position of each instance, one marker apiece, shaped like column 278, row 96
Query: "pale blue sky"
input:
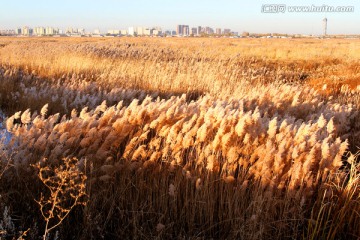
column 119, row 14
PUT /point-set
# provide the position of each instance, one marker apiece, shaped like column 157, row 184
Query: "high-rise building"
column 194, row 31
column 179, row 30
column 132, row 31
column 27, row 31
column 186, row 30
column 218, row 31
column 18, row 31
column 199, row 31
column 182, row 30
column 148, row 31
column 39, row 31
column 209, row 30
column 49, row 31
column 140, row 31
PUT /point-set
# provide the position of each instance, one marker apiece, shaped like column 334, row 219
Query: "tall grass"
column 177, row 141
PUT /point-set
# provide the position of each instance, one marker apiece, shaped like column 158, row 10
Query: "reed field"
column 179, row 138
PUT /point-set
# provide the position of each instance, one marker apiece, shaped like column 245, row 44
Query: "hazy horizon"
column 238, row 16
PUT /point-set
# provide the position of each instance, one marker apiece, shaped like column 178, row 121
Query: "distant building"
column 132, row 31
column 39, row 31
column 18, row 31
column 69, row 31
column 114, row 32
column 148, row 31
column 27, row 31
column 199, row 31
column 49, row 31
column 140, row 31
column 194, row 31
column 182, row 30
column 81, row 31
column 186, row 30
column 157, row 32
column 203, row 30
column 209, row 30
column 325, row 21
column 218, row 31
column 227, row 31
column 96, row 32
column 124, row 32
column 179, row 30
column 8, row 32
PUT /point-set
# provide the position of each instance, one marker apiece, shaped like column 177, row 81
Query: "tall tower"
column 325, row 26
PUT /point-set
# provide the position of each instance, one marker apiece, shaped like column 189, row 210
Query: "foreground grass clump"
column 247, row 153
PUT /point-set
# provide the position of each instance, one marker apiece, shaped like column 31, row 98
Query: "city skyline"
column 118, row 14
column 181, row 30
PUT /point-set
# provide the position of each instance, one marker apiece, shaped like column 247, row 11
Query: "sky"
column 238, row 15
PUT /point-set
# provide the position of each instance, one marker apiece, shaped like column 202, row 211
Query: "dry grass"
column 186, row 138
column 182, row 65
